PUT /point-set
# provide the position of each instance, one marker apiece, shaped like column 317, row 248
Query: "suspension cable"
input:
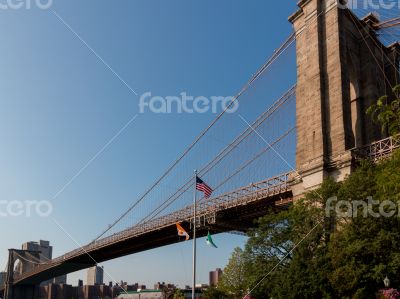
column 261, row 119
column 269, row 62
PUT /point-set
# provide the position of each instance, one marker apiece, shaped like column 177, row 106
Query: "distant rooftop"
column 144, row 291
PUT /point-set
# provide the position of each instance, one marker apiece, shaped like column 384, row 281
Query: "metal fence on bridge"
column 207, row 208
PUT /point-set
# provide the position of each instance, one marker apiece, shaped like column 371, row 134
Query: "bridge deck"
column 235, row 210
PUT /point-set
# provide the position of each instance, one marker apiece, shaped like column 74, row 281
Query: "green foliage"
column 233, row 280
column 214, row 293
column 325, row 255
column 178, row 294
column 387, row 114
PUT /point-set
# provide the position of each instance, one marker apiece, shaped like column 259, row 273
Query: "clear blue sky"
column 59, row 105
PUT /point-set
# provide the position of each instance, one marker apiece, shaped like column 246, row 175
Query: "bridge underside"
column 239, row 218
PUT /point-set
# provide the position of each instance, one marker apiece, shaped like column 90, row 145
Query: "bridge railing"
column 378, row 150
column 375, row 151
column 240, row 196
column 206, row 207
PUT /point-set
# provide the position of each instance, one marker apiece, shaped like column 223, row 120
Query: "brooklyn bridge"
column 343, row 66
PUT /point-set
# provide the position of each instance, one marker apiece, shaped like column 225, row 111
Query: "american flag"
column 203, row 187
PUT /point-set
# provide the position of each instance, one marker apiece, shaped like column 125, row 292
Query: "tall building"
column 46, row 251
column 95, row 276
column 215, row 277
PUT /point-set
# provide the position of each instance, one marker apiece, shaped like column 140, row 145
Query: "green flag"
column 210, row 241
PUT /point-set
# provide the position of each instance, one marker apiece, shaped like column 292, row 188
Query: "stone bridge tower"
column 24, row 257
column 341, row 69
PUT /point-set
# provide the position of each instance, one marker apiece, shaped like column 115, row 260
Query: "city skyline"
column 95, row 274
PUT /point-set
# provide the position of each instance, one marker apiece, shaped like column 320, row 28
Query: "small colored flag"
column 182, row 232
column 210, row 241
column 203, row 187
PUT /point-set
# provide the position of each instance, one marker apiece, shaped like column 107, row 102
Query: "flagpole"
column 194, row 235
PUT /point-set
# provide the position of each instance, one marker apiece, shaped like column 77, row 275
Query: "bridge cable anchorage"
column 269, row 62
column 228, row 149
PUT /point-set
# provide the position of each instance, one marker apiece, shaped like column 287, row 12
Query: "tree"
column 178, row 294
column 214, row 293
column 299, row 275
column 386, row 113
column 170, row 292
column 322, row 248
column 233, row 281
column 366, row 249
